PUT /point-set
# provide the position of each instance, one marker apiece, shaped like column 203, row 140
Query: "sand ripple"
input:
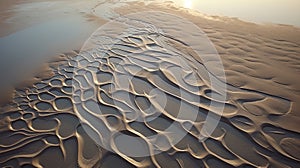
column 48, row 124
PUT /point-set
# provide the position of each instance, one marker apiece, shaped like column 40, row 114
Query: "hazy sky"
column 262, row 11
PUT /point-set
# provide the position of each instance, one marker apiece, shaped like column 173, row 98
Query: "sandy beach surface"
column 145, row 88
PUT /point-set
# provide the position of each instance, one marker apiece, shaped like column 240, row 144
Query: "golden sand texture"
column 259, row 126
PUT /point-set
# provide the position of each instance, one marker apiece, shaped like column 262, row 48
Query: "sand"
column 47, row 123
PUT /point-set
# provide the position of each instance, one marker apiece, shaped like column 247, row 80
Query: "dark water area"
column 24, row 51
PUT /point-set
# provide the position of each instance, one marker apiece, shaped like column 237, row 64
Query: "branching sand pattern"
column 40, row 127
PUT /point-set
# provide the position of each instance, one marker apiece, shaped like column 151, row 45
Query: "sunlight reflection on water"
column 266, row 11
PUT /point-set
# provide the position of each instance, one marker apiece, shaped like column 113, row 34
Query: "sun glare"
column 188, row 4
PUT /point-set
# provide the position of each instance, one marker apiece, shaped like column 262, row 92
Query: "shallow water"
column 41, row 38
column 24, row 50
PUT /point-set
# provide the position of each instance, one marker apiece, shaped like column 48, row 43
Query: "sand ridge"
column 257, row 128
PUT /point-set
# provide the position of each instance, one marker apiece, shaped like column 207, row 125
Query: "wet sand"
column 42, row 125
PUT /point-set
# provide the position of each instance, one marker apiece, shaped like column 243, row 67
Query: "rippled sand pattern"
column 40, row 127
